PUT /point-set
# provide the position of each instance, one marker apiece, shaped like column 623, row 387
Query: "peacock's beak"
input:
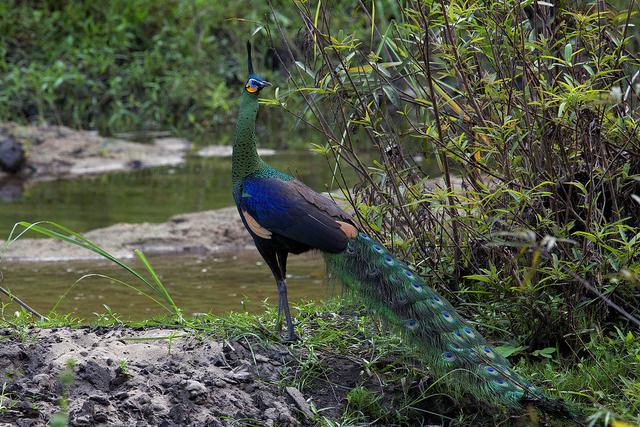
column 264, row 83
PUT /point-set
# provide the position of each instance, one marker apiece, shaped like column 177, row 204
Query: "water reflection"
column 142, row 195
column 227, row 282
column 11, row 189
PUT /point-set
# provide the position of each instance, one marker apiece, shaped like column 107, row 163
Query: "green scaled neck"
column 245, row 155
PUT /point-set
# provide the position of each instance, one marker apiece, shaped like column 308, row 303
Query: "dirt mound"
column 160, row 377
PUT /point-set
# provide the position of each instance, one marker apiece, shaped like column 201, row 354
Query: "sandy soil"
column 123, row 376
column 200, row 233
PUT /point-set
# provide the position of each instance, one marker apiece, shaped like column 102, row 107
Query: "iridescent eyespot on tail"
column 409, row 274
column 388, row 259
column 417, row 287
column 373, row 272
column 491, row 371
column 469, row 332
column 448, row 317
column 365, row 236
column 488, row 352
column 411, row 324
column 449, row 357
column 378, row 249
column 436, row 301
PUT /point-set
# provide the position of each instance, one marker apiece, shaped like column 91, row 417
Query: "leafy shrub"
column 531, row 110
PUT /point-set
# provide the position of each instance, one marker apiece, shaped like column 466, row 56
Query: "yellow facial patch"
column 250, row 88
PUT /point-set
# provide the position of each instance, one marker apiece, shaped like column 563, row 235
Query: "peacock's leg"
column 281, row 258
column 282, row 292
column 277, row 262
column 280, row 310
column 283, row 302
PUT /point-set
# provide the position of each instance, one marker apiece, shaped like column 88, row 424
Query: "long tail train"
column 448, row 343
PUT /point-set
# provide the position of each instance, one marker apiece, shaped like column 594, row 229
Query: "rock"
column 210, row 231
column 271, row 414
column 261, row 358
column 226, row 151
column 95, row 374
column 120, row 378
column 196, row 390
column 99, row 398
column 41, row 379
column 11, row 155
column 59, row 152
column 101, row 417
column 83, row 420
column 300, row 401
column 122, row 395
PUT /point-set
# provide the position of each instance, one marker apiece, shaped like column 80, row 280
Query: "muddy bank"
column 123, row 376
column 54, row 152
column 206, row 232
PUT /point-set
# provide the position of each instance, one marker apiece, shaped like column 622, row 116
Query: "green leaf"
column 568, row 52
column 545, row 352
column 392, row 94
column 306, row 69
column 479, row 278
column 508, row 350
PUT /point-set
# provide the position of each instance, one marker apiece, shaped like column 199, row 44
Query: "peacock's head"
column 254, row 83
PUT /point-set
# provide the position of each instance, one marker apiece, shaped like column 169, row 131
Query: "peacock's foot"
column 290, row 338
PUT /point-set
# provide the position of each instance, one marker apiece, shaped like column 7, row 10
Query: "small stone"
column 197, row 390
column 41, row 379
column 83, row 420
column 158, row 409
column 300, row 401
column 101, row 417
column 239, row 374
column 101, row 399
column 261, row 358
column 271, row 414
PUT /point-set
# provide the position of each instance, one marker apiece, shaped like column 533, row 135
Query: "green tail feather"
column 449, row 344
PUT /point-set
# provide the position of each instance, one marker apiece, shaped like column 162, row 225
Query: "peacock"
column 285, row 216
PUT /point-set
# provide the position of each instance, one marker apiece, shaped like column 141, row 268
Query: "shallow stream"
column 145, row 195
column 216, row 284
column 226, row 282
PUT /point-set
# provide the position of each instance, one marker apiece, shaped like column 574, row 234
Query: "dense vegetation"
column 531, row 109
column 121, row 65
